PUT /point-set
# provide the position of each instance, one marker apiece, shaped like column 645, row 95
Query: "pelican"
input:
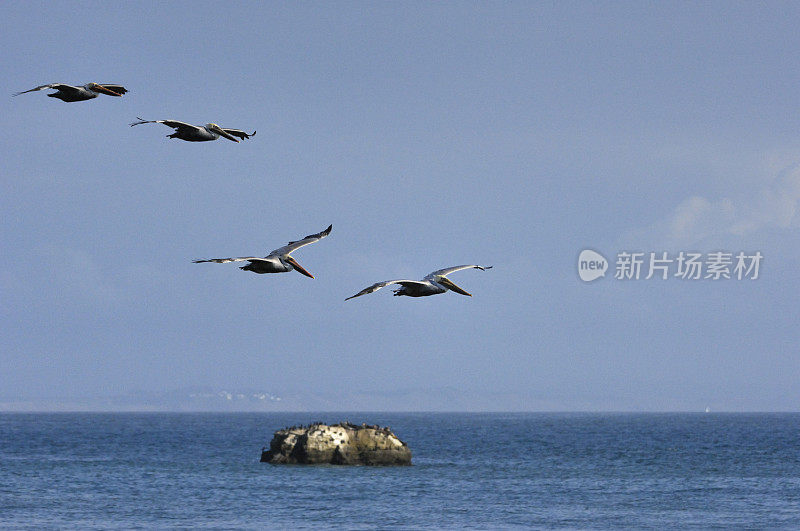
column 433, row 284
column 89, row 91
column 277, row 261
column 197, row 133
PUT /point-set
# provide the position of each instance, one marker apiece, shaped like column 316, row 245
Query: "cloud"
column 697, row 218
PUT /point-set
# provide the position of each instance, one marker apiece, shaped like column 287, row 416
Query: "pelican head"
column 297, row 267
column 449, row 284
column 96, row 87
column 214, row 128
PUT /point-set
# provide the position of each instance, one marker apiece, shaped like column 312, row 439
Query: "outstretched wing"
column 379, row 285
column 226, row 260
column 446, row 271
column 119, row 89
column 293, row 246
column 238, row 132
column 169, row 123
column 58, row 86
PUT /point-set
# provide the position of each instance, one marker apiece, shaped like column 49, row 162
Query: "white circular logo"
column 591, row 265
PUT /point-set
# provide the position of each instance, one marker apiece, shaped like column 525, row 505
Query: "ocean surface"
column 572, row 470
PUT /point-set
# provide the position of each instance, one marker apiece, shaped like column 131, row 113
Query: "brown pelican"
column 197, row 133
column 433, row 284
column 277, row 261
column 89, row 91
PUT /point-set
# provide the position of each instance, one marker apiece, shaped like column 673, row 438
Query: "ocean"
column 484, row 471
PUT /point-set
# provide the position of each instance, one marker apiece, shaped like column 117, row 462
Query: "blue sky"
column 512, row 134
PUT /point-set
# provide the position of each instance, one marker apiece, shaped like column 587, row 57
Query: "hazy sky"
column 512, row 134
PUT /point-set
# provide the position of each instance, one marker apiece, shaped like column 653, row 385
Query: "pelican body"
column 69, row 93
column 433, row 284
column 198, row 133
column 278, row 261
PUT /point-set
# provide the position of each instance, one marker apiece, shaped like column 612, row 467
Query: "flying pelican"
column 197, row 133
column 89, row 91
column 277, row 261
column 433, row 284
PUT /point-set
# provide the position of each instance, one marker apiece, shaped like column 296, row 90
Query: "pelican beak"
column 101, row 88
column 291, row 261
column 446, row 282
column 222, row 132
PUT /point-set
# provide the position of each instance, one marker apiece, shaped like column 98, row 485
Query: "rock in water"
column 338, row 444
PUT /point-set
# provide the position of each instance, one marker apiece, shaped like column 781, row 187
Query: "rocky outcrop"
column 337, row 444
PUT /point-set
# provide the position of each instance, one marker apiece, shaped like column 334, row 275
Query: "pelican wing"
column 446, row 271
column 58, row 86
column 169, row 123
column 293, row 246
column 119, row 89
column 379, row 285
column 226, row 260
column 238, row 132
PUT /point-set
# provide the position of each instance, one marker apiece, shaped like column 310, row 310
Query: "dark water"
column 470, row 470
